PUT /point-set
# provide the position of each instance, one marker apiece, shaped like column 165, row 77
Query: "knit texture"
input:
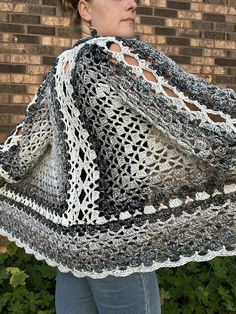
column 112, row 173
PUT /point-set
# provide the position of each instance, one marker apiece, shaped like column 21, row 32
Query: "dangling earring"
column 93, row 30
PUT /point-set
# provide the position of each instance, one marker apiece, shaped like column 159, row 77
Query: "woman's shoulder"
column 123, row 48
column 139, row 54
column 108, row 41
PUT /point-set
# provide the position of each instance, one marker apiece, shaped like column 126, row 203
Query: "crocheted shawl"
column 112, row 172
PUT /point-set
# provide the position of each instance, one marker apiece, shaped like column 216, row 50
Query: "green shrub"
column 199, row 288
column 27, row 286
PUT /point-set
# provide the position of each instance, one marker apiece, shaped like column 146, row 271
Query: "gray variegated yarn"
column 111, row 173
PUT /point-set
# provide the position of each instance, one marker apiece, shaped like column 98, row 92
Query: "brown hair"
column 70, row 7
column 69, row 4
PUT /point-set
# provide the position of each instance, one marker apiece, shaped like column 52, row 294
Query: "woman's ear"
column 84, row 10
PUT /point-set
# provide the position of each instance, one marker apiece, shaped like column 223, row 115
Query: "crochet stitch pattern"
column 111, row 173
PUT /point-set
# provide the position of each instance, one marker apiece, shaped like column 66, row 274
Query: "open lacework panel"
column 29, row 140
column 208, row 124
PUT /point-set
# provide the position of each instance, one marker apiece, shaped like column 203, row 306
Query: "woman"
column 138, row 292
column 124, row 164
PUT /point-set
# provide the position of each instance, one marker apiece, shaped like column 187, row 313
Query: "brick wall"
column 198, row 34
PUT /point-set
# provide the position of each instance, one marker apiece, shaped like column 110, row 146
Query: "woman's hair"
column 70, row 6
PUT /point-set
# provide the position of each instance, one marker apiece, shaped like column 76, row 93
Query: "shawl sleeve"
column 196, row 116
column 28, row 141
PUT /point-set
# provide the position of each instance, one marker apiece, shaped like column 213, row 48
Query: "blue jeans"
column 137, row 293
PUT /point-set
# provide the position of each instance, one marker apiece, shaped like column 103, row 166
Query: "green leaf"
column 203, row 295
column 233, row 289
column 33, row 301
column 12, row 249
column 188, row 309
column 164, row 295
column 46, row 298
column 227, row 298
column 222, row 291
column 3, row 258
column 220, row 271
column 47, row 271
column 16, row 307
column 18, row 277
column 3, row 275
column 5, row 298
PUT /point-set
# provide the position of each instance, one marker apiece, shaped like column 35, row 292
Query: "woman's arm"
column 29, row 139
